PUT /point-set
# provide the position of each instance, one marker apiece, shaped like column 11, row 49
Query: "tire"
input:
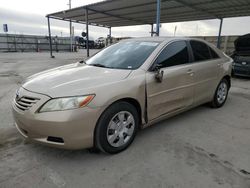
column 221, row 94
column 116, row 128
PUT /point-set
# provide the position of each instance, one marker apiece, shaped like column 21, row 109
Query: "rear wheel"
column 221, row 94
column 117, row 128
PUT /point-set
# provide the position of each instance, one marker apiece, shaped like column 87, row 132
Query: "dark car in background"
column 241, row 56
column 81, row 42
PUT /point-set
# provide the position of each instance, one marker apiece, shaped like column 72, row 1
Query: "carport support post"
column 50, row 41
column 158, row 17
column 109, row 36
column 87, row 31
column 152, row 30
column 219, row 36
column 110, row 32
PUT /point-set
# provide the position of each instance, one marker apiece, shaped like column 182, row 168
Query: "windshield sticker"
column 148, row 43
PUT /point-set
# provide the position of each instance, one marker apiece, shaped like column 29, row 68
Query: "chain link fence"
column 32, row 43
column 35, row 43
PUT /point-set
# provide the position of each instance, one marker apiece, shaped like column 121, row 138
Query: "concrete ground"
column 203, row 147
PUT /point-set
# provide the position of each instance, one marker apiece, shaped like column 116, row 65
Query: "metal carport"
column 116, row 13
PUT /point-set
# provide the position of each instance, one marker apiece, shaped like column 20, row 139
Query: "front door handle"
column 190, row 72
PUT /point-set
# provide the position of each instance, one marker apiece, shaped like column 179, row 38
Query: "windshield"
column 123, row 55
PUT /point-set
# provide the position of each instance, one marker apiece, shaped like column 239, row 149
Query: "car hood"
column 73, row 79
column 242, row 44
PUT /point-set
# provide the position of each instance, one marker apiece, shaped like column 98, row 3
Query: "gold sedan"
column 102, row 102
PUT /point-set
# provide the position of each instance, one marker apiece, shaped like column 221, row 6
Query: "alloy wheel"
column 222, row 92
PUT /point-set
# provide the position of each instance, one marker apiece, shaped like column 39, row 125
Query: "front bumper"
column 69, row 129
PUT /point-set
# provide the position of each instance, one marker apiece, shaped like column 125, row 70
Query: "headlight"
column 66, row 103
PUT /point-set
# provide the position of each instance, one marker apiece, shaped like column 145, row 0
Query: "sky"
column 28, row 17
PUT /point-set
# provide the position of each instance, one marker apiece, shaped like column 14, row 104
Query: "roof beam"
column 107, row 16
column 120, row 17
column 171, row 17
column 127, row 7
column 148, row 11
column 76, row 21
column 195, row 8
column 184, row 13
column 172, row 10
column 139, row 5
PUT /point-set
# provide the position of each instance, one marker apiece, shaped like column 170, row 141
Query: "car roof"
column 160, row 39
column 169, row 39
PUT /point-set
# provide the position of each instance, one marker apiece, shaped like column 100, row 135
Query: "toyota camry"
column 103, row 101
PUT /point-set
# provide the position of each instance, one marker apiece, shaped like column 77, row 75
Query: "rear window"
column 200, row 51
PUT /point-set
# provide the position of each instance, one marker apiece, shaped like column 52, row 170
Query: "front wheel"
column 221, row 94
column 116, row 128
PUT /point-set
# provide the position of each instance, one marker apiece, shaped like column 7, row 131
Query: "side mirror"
column 159, row 74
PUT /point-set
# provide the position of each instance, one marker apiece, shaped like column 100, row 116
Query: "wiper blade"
column 98, row 65
column 82, row 62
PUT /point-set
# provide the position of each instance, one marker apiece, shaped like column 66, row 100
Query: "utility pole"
column 70, row 29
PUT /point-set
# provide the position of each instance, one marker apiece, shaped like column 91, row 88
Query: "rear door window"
column 200, row 51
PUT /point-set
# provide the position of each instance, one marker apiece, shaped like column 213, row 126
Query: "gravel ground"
column 203, row 147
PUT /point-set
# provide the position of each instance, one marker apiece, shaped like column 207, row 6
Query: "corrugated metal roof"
column 115, row 13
